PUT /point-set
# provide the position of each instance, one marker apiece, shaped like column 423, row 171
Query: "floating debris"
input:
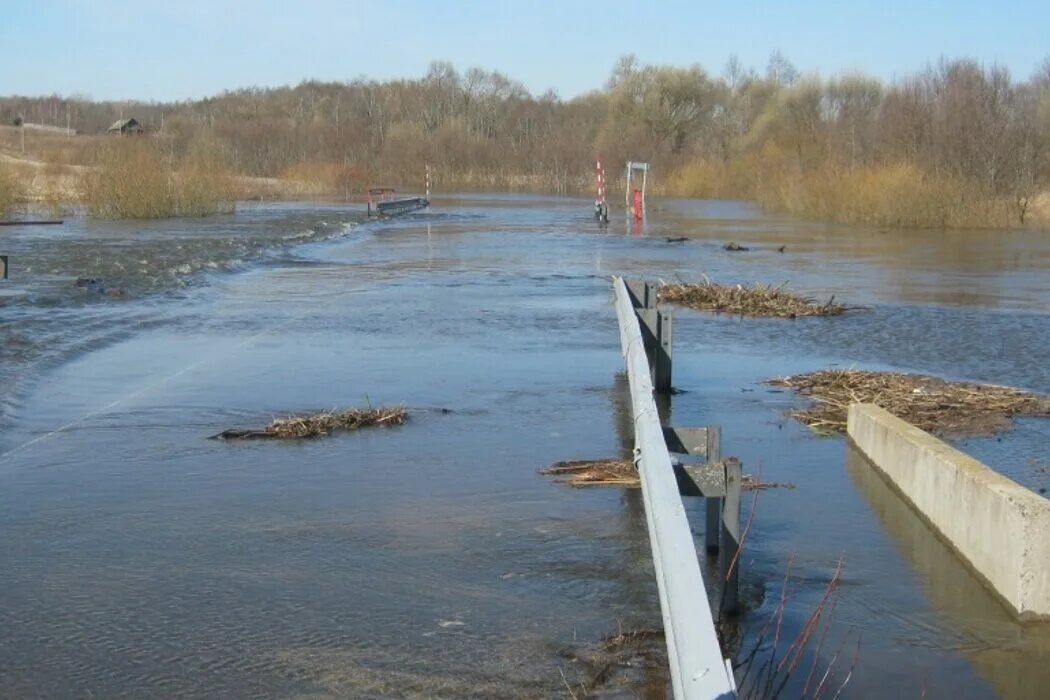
column 677, row 239
column 930, row 403
column 754, row 483
column 622, row 472
column 316, row 424
column 752, row 300
column 595, row 472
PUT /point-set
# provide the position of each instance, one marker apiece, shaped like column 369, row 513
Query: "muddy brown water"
column 139, row 559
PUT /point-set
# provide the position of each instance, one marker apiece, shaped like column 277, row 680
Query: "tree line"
column 953, row 131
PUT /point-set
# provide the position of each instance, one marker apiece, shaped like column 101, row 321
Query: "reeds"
column 932, row 404
column 897, row 194
column 134, row 178
column 12, row 190
column 767, row 676
column 709, row 179
column 322, row 178
column 751, row 300
column 316, row 424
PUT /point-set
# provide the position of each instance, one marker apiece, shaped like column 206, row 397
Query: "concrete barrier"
column 1001, row 529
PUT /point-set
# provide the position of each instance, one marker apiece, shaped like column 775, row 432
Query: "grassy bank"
column 136, row 179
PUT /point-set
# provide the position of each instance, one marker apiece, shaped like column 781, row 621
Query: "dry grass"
column 319, row 178
column 753, row 300
column 708, row 179
column 134, row 178
column 898, row 195
column 932, row 404
column 11, row 188
column 323, row 423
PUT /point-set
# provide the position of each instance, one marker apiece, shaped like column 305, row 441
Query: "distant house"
column 125, row 127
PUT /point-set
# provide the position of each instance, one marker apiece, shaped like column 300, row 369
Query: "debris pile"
column 595, row 472
column 930, row 403
column 751, row 300
column 323, row 423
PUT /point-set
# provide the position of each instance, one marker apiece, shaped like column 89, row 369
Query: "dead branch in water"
column 323, row 423
column 930, row 403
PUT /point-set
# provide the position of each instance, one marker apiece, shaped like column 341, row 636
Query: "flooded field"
column 140, row 559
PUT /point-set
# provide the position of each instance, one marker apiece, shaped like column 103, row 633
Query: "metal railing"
column 698, row 669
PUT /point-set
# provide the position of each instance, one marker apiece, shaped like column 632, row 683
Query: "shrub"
column 134, row 179
column 12, row 189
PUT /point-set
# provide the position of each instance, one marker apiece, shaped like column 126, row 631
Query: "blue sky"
column 179, row 49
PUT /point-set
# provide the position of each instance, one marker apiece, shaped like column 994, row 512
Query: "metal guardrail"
column 698, row 669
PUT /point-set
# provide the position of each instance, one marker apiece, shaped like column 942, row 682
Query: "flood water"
column 140, row 559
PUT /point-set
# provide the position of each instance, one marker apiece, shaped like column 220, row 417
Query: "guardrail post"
column 656, row 332
column 662, row 353
column 730, row 533
column 643, row 294
column 713, row 505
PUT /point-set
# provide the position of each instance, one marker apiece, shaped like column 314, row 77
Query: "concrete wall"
column 1001, row 529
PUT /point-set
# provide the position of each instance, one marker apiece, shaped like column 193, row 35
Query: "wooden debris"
column 753, row 300
column 930, row 403
column 315, row 424
column 595, row 472
column 622, row 472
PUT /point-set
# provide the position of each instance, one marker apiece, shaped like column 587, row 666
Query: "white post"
column 627, row 194
column 645, row 174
